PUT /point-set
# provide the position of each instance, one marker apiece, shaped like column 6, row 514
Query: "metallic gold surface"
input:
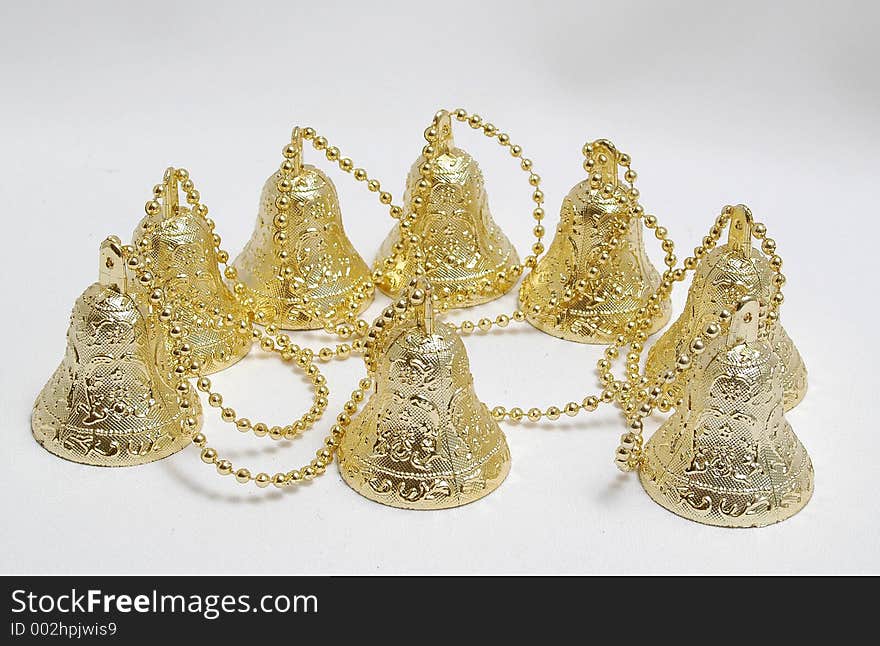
column 596, row 275
column 299, row 269
column 424, row 439
column 725, row 275
column 464, row 254
column 108, row 404
column 728, row 457
column 179, row 247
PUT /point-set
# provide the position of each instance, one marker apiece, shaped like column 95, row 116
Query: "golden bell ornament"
column 179, row 247
column 108, row 403
column 299, row 270
column 424, row 440
column 453, row 238
column 596, row 275
column 724, row 276
column 727, row 456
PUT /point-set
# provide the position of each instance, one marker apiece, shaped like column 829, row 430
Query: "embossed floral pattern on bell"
column 727, row 456
column 181, row 250
column 463, row 252
column 299, row 269
column 108, row 404
column 725, row 275
column 424, row 439
column 596, row 275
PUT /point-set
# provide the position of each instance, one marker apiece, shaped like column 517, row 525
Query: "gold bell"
column 299, row 270
column 596, row 275
column 108, row 404
column 181, row 250
column 728, row 457
column 453, row 237
column 424, row 440
column 725, row 275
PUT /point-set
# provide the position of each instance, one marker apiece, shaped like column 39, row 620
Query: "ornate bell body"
column 724, row 276
column 108, row 404
column 424, row 440
column 180, row 247
column 596, row 275
column 728, row 457
column 299, row 269
column 464, row 254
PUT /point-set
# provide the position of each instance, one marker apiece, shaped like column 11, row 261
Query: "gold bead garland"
column 634, row 395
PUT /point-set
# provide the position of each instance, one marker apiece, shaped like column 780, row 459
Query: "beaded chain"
column 185, row 366
column 353, row 327
column 271, row 341
column 635, row 395
column 590, row 403
column 140, row 265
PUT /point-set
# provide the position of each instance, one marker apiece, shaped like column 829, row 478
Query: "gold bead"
column 590, row 403
column 553, row 413
column 262, row 480
column 209, row 455
column 534, row 414
column 243, row 476
column 572, row 409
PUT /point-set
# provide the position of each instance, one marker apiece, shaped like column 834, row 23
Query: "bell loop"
column 740, row 233
column 445, row 141
column 111, row 268
column 170, row 196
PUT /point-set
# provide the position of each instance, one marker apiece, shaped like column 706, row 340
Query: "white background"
column 770, row 104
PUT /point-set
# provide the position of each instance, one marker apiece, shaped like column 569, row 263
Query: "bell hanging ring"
column 728, row 457
column 424, row 440
column 453, row 238
column 180, row 247
column 596, row 275
column 725, row 275
column 108, row 403
column 299, row 270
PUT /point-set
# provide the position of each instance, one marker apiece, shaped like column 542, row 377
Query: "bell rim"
column 451, row 304
column 360, row 490
column 771, row 519
column 599, row 339
column 778, row 514
column 170, row 449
